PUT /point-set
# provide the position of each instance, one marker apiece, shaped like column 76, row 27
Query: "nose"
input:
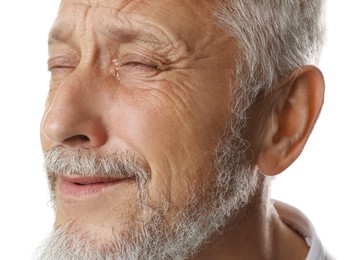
column 75, row 114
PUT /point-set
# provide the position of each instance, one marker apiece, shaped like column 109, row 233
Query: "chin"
column 80, row 240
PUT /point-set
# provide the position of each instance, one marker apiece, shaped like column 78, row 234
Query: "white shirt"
column 296, row 220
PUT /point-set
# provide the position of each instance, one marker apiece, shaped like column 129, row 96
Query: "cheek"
column 150, row 119
column 151, row 125
column 146, row 129
column 165, row 131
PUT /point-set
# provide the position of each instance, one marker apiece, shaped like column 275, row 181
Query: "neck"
column 257, row 232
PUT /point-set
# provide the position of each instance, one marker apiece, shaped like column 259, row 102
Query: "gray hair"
column 274, row 38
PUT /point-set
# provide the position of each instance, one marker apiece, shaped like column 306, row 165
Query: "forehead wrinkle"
column 118, row 4
column 122, row 23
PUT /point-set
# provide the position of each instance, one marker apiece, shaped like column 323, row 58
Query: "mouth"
column 79, row 187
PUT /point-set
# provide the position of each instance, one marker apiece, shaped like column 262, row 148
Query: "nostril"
column 77, row 140
column 83, row 137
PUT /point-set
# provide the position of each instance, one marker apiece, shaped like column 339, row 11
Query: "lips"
column 79, row 187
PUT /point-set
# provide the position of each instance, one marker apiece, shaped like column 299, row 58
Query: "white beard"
column 181, row 238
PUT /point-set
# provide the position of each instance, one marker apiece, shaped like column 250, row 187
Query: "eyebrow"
column 58, row 29
column 130, row 35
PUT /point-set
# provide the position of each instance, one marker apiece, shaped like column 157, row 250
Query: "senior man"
column 165, row 120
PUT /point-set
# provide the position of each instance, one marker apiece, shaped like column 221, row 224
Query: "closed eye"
column 142, row 66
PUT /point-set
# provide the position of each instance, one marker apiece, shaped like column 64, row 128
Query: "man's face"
column 148, row 81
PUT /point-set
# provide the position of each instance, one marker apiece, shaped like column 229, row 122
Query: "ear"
column 295, row 111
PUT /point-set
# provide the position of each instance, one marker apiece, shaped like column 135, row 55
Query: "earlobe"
column 294, row 113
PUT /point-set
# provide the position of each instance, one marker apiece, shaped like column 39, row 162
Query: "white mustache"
column 82, row 162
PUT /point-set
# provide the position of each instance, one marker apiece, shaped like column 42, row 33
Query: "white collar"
column 295, row 219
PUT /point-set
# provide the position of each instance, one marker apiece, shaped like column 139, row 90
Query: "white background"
column 321, row 183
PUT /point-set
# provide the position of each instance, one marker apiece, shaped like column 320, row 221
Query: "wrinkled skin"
column 166, row 99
